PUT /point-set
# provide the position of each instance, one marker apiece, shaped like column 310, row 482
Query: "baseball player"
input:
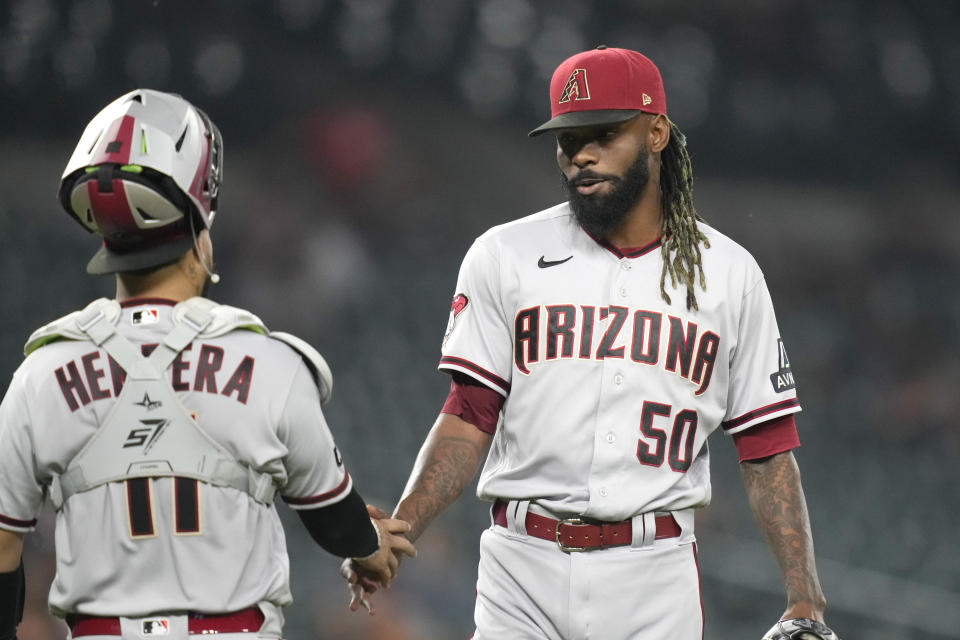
column 593, row 348
column 161, row 425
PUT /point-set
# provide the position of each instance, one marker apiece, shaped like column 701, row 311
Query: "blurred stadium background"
column 369, row 141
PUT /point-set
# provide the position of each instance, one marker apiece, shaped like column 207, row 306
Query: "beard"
column 602, row 214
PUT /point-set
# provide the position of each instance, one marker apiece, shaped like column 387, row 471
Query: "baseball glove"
column 800, row 629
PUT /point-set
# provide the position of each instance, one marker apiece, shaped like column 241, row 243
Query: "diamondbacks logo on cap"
column 145, row 316
column 155, row 627
column 576, row 87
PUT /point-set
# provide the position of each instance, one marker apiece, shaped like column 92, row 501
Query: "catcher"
column 160, row 424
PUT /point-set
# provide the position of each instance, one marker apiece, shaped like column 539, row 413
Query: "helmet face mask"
column 144, row 166
column 214, row 174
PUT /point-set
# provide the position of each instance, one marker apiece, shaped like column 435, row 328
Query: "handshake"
column 365, row 575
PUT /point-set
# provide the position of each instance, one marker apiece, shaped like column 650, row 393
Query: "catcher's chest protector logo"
column 576, row 87
column 148, row 404
column 155, row 627
column 146, row 436
column 460, row 302
column 782, row 379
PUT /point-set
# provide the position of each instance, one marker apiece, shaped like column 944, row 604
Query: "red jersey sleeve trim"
column 474, row 403
column 767, row 439
column 20, row 524
column 791, row 403
column 475, row 370
column 323, row 497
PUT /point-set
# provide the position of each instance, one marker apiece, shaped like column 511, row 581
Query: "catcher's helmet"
column 147, row 169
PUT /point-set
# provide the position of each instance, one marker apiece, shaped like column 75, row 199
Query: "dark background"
column 369, row 141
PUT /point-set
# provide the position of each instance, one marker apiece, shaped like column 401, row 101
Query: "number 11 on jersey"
column 186, row 507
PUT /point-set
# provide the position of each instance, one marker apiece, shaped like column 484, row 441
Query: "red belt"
column 572, row 534
column 248, row 620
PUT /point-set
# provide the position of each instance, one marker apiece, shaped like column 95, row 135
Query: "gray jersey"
column 140, row 546
column 610, row 391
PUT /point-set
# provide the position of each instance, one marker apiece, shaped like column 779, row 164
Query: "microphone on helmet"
column 214, row 276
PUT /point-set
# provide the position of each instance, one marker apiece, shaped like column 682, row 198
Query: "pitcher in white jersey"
column 593, row 348
column 161, row 425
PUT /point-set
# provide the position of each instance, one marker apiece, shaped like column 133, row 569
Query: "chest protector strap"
column 148, row 432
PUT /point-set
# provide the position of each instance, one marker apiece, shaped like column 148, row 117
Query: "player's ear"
column 658, row 134
column 203, row 249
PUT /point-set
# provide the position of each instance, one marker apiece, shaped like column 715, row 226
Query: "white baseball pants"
column 528, row 589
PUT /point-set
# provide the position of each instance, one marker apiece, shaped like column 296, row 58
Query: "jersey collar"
column 626, row 252
column 136, row 302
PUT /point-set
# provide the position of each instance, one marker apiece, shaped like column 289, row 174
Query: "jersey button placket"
column 621, row 278
column 608, row 451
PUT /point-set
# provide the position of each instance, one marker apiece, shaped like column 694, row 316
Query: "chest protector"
column 148, row 432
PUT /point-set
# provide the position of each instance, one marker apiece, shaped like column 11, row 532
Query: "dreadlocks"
column 678, row 227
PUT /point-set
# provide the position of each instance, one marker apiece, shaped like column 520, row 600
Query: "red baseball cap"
column 603, row 85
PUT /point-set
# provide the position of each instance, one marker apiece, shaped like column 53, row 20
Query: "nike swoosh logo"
column 543, row 264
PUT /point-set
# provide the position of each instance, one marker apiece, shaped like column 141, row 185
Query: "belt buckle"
column 560, row 544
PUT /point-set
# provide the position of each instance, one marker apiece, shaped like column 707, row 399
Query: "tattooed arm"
column 780, row 509
column 447, row 462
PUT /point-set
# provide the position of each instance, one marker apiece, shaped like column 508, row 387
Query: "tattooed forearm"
column 447, row 463
column 778, row 504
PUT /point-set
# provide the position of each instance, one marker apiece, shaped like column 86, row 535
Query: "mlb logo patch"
column 155, row 627
column 145, row 316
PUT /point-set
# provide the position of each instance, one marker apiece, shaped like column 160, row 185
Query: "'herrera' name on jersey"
column 97, row 376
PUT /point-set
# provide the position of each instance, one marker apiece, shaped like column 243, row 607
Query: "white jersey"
column 610, row 391
column 140, row 546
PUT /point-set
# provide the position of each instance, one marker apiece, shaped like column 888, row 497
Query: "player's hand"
column 379, row 514
column 361, row 585
column 383, row 564
column 365, row 575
